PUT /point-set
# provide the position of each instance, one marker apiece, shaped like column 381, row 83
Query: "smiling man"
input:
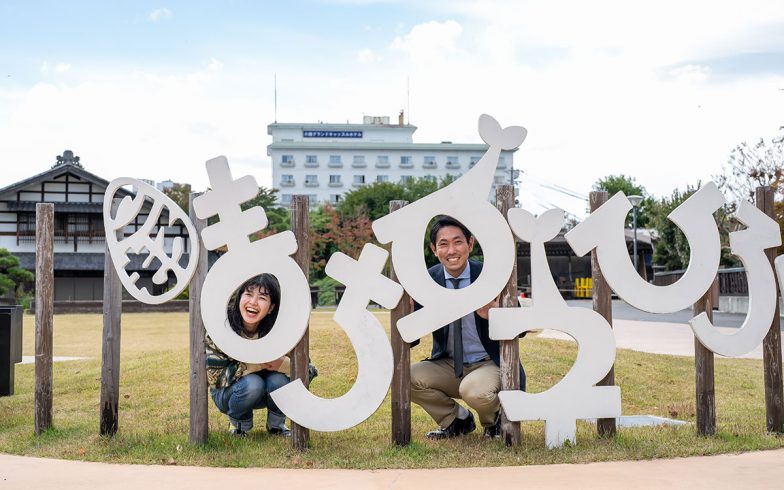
column 464, row 362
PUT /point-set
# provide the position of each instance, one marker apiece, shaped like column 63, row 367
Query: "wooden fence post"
column 44, row 314
column 110, row 345
column 771, row 345
column 602, row 304
column 401, row 353
column 510, row 349
column 704, row 378
column 199, row 423
column 300, row 226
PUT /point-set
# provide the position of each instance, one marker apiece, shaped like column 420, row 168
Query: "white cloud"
column 214, row 65
column 429, row 42
column 367, row 55
column 159, row 14
column 62, row 67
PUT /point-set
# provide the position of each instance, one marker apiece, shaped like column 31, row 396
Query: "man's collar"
column 466, row 274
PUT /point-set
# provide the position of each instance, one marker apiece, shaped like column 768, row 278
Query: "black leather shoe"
column 494, row 431
column 457, row 428
column 282, row 431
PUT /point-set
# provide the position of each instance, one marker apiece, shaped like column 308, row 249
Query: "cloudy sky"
column 659, row 90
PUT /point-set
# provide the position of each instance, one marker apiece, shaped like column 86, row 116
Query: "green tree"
column 373, row 200
column 279, row 218
column 752, row 166
column 180, row 194
column 613, row 184
column 12, row 277
column 672, row 249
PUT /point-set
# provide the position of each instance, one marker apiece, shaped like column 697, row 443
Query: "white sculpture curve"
column 604, row 230
column 575, row 396
column 465, row 199
column 140, row 241
column 363, row 282
column 749, row 245
column 245, row 260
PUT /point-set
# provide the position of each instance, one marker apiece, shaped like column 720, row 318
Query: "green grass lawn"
column 154, row 407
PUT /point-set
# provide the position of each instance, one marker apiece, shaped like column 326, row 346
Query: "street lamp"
column 635, row 200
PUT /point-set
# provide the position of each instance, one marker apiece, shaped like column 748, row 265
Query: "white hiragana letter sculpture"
column 364, row 282
column 604, row 231
column 575, row 396
column 749, row 245
column 466, row 201
column 140, row 242
column 245, row 260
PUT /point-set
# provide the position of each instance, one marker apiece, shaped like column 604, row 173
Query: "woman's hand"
column 273, row 365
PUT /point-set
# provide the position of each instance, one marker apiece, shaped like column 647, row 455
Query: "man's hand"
column 483, row 311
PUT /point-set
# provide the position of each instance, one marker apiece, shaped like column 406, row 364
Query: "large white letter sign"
column 245, row 260
column 575, row 396
column 604, row 230
column 140, row 241
column 363, row 282
column 465, row 200
column 749, row 245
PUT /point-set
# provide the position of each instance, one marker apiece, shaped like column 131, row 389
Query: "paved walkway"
column 656, row 338
column 763, row 469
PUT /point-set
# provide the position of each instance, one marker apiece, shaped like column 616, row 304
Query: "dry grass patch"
column 154, row 406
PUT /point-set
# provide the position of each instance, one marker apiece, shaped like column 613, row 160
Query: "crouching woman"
column 236, row 387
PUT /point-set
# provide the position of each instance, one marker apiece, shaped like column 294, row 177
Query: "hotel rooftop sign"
column 331, row 134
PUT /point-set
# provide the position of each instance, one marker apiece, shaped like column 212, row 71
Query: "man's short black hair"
column 443, row 221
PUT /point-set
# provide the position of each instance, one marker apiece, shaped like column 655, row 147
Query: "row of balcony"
column 407, row 163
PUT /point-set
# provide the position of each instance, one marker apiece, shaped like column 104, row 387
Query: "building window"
column 499, row 180
column 430, row 178
column 359, row 180
column 287, row 160
column 359, row 161
column 311, row 181
column 405, row 161
column 405, row 178
column 501, row 162
column 335, row 162
column 382, row 161
column 334, row 198
column 286, row 180
column 313, row 200
column 452, row 162
column 430, row 162
column 311, row 161
column 382, row 178
column 474, row 161
column 334, row 181
column 285, row 199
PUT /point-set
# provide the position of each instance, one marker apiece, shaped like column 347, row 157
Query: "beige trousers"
column 434, row 387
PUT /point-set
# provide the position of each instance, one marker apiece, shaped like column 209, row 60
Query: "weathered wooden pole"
column 601, row 295
column 401, row 355
column 771, row 345
column 199, row 423
column 110, row 346
column 510, row 349
column 44, row 314
column 300, row 226
column 704, row 378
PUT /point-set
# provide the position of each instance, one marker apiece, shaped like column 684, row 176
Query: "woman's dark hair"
column 264, row 282
column 444, row 220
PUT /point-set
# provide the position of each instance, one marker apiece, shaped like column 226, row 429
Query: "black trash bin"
column 10, row 346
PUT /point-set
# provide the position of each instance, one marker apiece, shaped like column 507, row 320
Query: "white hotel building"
column 324, row 161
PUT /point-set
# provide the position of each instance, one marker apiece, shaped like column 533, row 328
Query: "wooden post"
column 510, row 349
column 199, row 422
column 44, row 314
column 602, row 304
column 703, row 371
column 300, row 355
column 771, row 345
column 110, row 346
column 401, row 353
